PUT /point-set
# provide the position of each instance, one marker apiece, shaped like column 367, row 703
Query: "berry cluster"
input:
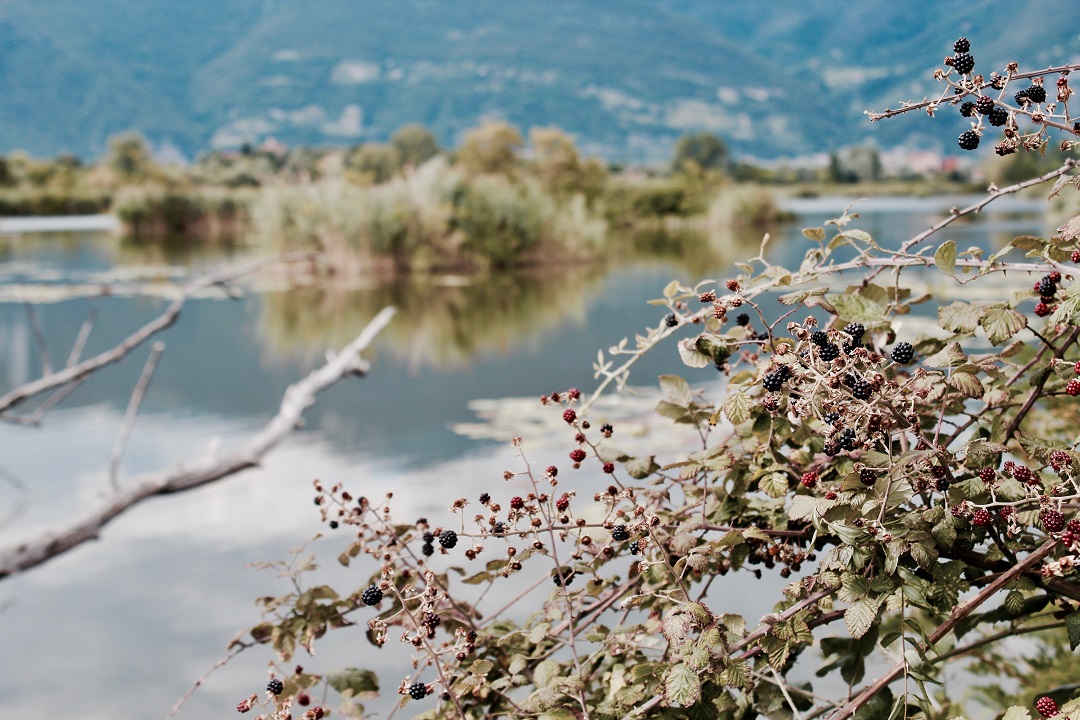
column 1047, row 287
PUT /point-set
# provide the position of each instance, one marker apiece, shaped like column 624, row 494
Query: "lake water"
column 121, row 627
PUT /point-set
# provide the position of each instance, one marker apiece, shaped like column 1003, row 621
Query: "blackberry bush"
column 864, row 485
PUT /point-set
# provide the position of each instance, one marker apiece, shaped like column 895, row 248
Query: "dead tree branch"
column 50, row 380
column 298, row 397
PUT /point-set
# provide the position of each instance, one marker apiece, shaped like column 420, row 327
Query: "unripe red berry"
column 987, row 475
column 1073, row 388
column 574, row 393
column 303, row 699
column 569, row 416
column 1075, row 256
column 808, row 479
column 1047, row 706
column 577, row 455
column 1042, row 309
column 609, row 468
column 981, row 517
column 1052, row 521
column 516, row 503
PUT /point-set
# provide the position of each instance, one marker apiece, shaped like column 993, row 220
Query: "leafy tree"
column 375, row 163
column 415, row 145
column 129, row 157
column 490, row 149
column 703, row 151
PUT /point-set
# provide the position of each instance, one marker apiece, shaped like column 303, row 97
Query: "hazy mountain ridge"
column 626, row 79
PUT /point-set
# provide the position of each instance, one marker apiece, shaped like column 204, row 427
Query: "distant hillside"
column 626, row 78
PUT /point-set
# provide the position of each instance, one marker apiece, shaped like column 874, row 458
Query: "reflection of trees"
column 442, row 320
column 446, row 320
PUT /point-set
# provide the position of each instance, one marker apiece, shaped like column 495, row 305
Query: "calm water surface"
column 121, row 627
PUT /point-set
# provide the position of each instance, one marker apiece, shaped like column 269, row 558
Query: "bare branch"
column 39, row 339
column 133, row 410
column 117, row 353
column 80, row 340
column 298, row 397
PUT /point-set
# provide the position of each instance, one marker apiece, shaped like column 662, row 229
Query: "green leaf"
column 682, row 686
column 640, row 468
column 1072, row 624
column 960, row 317
column 860, row 615
column 737, row 408
column 691, row 356
column 1016, row 712
column 945, row 258
column 775, row 485
column 1014, row 604
column 676, row 390
column 817, row 234
column 538, row 633
column 949, row 356
column 856, row 308
column 362, row 683
column 968, row 385
column 1000, row 324
column 806, row 507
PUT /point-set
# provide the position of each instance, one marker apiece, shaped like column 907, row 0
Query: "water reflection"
column 452, row 319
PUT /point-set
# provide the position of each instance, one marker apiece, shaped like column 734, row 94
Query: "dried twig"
column 80, row 340
column 168, row 317
column 298, row 397
column 133, row 410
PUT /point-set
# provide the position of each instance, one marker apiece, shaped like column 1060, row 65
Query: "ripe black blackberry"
column 1036, row 93
column 856, row 331
column 1021, row 97
column 428, row 549
column 499, row 528
column 619, row 533
column 967, row 109
column 829, row 352
column 850, row 380
column 962, row 45
column 562, row 577
column 1046, row 286
column 418, row 691
column 635, row 548
column 671, row 320
column 429, row 537
column 903, row 352
column 831, row 417
column 862, row 390
column 372, row 596
column 942, row 484
column 448, row 539
column 275, row 686
column 484, row 498
column 868, row 476
column 998, row 116
column 742, row 319
column 819, row 338
column 963, row 63
column 430, row 620
column 968, row 140
column 830, row 449
column 848, row 439
column 984, row 104
column 773, row 381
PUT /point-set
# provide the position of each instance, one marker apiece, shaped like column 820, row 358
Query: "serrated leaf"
column 806, row 507
column 775, row 485
column 860, row 615
column 1072, row 624
column 1014, row 602
column 641, row 467
column 676, row 390
column 682, row 686
column 362, row 683
column 691, row 356
column 1000, row 324
column 950, row 356
column 737, row 408
column 856, row 308
column 969, row 385
column 539, row 632
column 945, row 258
column 960, row 317
column 1016, row 712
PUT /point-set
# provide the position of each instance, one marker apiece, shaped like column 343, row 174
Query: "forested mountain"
column 626, row 77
